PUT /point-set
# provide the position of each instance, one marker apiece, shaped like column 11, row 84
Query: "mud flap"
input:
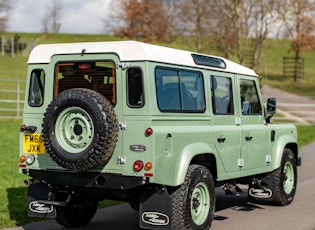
column 262, row 188
column 36, row 193
column 156, row 210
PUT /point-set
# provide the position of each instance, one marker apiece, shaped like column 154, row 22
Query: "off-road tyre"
column 285, row 179
column 193, row 203
column 80, row 129
column 76, row 213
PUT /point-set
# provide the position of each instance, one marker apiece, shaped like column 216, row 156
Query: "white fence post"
column 12, row 47
column 2, row 45
column 18, row 99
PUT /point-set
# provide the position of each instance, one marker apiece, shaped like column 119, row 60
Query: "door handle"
column 221, row 139
column 248, row 138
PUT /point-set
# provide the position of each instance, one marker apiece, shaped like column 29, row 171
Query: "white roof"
column 130, row 51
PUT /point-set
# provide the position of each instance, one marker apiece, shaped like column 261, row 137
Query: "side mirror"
column 271, row 108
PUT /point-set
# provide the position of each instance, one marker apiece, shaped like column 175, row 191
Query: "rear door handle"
column 248, row 138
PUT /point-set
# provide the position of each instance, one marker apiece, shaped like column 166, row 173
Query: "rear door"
column 95, row 72
column 227, row 134
column 255, row 134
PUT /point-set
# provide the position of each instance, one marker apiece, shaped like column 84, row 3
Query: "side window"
column 222, row 95
column 167, row 87
column 135, row 96
column 179, row 90
column 249, row 98
column 36, row 93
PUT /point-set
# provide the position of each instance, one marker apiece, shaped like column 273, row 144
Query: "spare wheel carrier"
column 80, row 129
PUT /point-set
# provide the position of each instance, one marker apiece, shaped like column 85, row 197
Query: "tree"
column 144, row 20
column 194, row 22
column 242, row 27
column 51, row 18
column 299, row 25
column 5, row 7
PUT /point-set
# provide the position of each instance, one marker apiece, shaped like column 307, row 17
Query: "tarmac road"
column 231, row 212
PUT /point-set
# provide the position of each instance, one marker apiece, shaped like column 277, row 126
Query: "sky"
column 77, row 16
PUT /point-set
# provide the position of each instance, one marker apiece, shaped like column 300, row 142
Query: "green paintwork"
column 177, row 138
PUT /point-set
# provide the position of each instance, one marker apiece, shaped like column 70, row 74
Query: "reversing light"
column 148, row 132
column 30, row 159
column 138, row 165
column 148, row 166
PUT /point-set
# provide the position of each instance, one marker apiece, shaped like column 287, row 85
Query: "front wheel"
column 193, row 203
column 285, row 179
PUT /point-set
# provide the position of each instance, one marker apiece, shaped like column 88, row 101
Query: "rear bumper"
column 87, row 179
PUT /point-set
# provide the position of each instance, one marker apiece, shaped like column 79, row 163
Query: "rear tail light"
column 22, row 127
column 138, row 165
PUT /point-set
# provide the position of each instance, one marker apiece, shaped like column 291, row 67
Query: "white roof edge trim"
column 131, row 51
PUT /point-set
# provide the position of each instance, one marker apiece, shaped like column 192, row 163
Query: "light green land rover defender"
column 156, row 127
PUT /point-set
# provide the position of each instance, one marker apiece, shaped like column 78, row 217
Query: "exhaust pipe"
column 30, row 182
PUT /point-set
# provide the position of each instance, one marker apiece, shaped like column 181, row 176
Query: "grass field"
column 13, row 194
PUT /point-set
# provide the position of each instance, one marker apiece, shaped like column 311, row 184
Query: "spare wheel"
column 80, row 129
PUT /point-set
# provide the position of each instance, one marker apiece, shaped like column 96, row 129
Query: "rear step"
column 232, row 189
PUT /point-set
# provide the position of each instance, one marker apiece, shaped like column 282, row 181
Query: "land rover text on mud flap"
column 156, row 127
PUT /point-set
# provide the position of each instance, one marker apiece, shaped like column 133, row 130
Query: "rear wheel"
column 193, row 203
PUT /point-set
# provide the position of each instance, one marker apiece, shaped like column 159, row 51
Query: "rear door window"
column 250, row 102
column 95, row 75
column 222, row 95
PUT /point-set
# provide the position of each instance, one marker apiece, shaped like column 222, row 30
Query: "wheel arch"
column 196, row 153
column 284, row 142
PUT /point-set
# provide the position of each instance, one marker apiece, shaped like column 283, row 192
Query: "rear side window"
column 135, row 96
column 96, row 75
column 179, row 90
column 36, row 93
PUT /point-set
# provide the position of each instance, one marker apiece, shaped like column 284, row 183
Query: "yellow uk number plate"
column 33, row 143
